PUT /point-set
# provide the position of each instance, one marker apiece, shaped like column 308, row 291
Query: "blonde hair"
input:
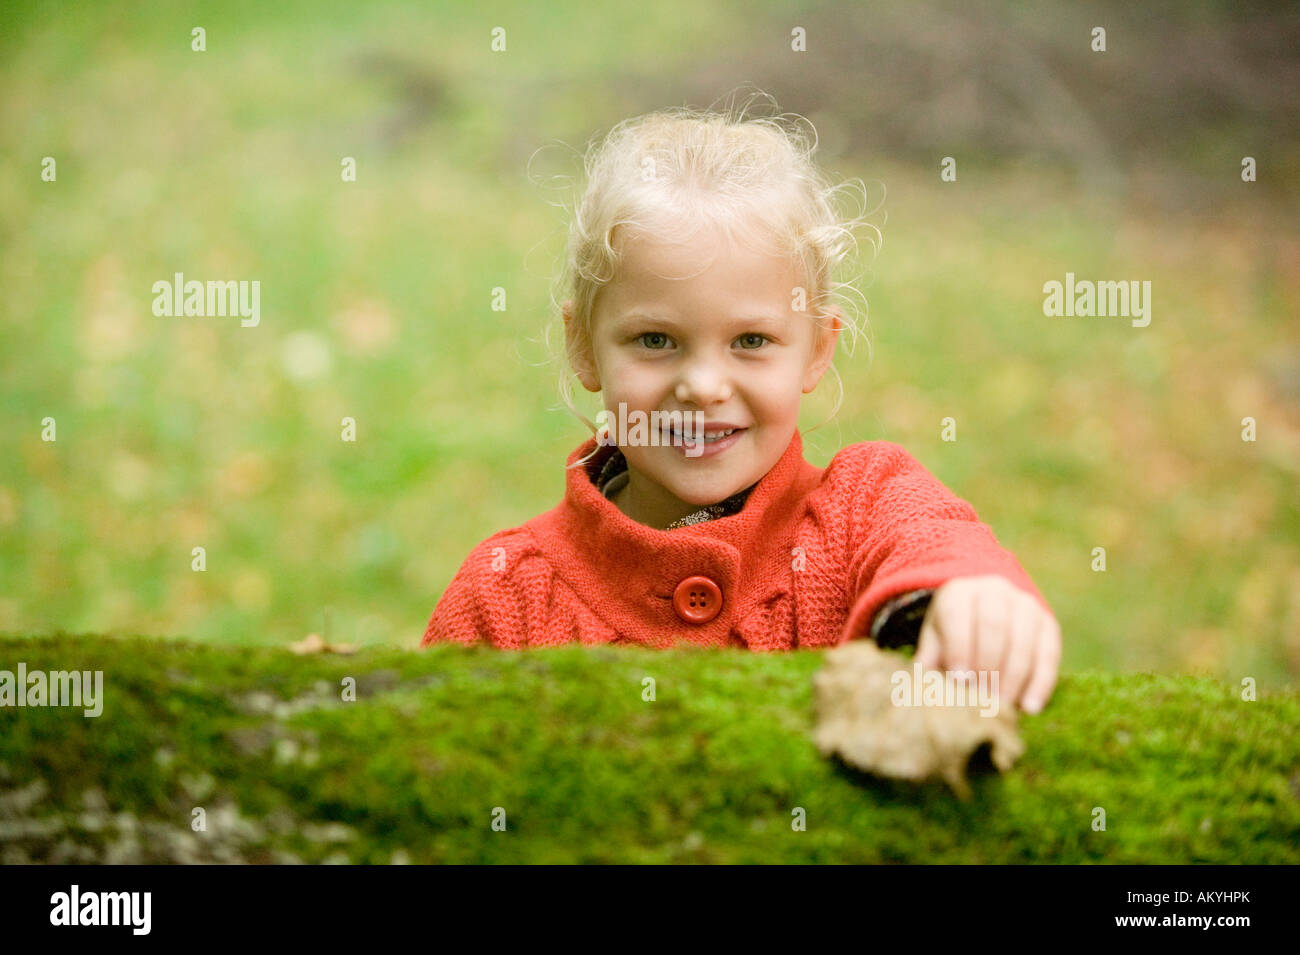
column 670, row 172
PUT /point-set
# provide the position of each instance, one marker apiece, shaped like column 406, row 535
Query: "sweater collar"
column 614, row 473
column 627, row 571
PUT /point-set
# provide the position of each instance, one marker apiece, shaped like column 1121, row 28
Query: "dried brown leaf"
column 857, row 719
column 315, row 643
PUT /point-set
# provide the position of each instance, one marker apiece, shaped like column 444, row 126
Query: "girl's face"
column 707, row 326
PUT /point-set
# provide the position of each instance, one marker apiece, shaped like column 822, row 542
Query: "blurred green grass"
column 182, row 432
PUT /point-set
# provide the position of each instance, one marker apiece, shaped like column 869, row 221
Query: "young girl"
column 699, row 265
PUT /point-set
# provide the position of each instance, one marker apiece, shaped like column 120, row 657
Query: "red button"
column 697, row 600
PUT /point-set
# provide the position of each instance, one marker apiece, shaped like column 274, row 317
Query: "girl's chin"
column 704, row 493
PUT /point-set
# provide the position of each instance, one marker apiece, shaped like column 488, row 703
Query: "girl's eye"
column 657, row 341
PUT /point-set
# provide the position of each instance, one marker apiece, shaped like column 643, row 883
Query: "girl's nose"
column 702, row 386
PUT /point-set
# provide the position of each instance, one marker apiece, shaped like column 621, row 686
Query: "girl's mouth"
column 711, row 443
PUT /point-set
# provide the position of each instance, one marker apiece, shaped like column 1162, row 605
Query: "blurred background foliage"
column 376, row 296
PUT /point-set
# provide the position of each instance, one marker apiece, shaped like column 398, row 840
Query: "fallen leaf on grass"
column 857, row 719
column 315, row 643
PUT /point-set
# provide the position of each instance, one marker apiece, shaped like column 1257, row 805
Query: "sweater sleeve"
column 483, row 604
column 908, row 532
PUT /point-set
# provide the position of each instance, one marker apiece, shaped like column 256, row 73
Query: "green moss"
column 586, row 770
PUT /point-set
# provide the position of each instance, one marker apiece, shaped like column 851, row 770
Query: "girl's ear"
column 578, row 344
column 823, row 349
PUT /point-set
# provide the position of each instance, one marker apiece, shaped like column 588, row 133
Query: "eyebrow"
column 637, row 318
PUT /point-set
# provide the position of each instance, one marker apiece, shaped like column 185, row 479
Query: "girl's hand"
column 988, row 623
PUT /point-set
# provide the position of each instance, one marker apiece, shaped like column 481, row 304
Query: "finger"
column 956, row 629
column 929, row 648
column 991, row 625
column 1047, row 658
column 1021, row 652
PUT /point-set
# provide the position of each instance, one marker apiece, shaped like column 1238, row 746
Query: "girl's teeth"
column 711, row 435
column 708, row 435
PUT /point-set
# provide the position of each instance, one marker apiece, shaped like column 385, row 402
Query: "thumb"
column 927, row 646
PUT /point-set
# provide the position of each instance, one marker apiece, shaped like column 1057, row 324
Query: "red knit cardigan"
column 808, row 561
